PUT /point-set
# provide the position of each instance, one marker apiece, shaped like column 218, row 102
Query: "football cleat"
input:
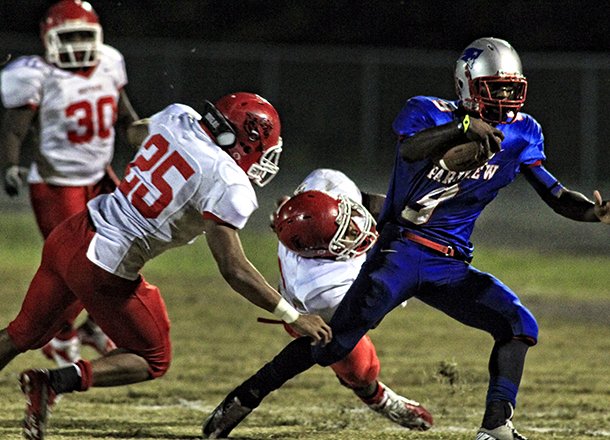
column 225, row 418
column 63, row 352
column 40, row 397
column 92, row 335
column 405, row 412
column 502, row 432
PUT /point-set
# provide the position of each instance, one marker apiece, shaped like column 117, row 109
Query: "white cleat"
column 63, row 353
column 405, row 412
column 502, row 432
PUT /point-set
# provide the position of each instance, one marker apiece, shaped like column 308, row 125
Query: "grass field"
column 565, row 392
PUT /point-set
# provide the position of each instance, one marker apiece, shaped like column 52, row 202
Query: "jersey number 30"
column 135, row 189
column 102, row 115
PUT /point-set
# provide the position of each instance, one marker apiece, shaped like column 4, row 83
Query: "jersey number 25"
column 135, row 189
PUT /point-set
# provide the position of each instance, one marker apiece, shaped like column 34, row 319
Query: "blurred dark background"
column 339, row 71
column 545, row 25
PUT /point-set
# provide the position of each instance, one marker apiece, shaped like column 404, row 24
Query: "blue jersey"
column 444, row 205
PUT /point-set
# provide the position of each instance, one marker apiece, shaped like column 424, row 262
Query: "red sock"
column 86, row 374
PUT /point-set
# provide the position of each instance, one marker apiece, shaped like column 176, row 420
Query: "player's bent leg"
column 133, row 314
column 359, row 371
column 45, row 307
column 495, row 309
column 360, row 367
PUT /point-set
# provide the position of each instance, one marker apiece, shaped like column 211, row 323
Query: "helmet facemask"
column 499, row 98
column 356, row 231
column 315, row 224
column 266, row 168
column 489, row 80
column 73, row 45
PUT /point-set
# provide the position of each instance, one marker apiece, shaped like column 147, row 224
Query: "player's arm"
column 137, row 132
column 13, row 129
column 435, row 141
column 225, row 245
column 126, row 116
column 373, row 202
column 565, row 202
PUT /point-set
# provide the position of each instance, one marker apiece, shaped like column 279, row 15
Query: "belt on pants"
column 446, row 250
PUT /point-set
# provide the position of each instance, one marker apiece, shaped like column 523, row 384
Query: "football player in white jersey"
column 76, row 97
column 192, row 175
column 324, row 231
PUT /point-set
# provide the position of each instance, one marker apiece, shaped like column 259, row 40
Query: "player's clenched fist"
column 489, row 135
column 314, row 327
column 14, row 176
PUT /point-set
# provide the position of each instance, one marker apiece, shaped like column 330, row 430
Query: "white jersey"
column 76, row 112
column 178, row 177
column 317, row 285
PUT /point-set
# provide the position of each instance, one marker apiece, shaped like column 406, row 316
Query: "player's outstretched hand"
column 13, row 177
column 314, row 327
column 490, row 136
column 602, row 208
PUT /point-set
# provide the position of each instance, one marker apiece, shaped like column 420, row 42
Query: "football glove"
column 14, row 175
column 490, row 137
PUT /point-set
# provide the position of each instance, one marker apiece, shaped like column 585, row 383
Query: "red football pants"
column 358, row 369
column 53, row 204
column 131, row 313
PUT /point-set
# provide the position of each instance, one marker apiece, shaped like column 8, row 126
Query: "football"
column 463, row 157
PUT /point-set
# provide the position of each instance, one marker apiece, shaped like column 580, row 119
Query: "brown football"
column 463, row 157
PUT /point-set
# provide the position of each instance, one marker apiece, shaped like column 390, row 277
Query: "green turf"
column 565, row 392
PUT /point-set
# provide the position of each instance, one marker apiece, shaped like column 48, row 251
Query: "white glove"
column 14, row 176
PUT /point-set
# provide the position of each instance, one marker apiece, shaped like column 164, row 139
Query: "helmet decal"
column 489, row 80
column 470, row 55
column 257, row 129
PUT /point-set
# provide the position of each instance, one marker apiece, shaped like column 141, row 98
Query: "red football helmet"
column 315, row 224
column 257, row 128
column 71, row 34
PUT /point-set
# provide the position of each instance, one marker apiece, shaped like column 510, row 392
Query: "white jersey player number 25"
column 136, row 190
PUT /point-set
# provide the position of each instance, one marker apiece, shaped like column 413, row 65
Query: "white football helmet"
column 71, row 34
column 489, row 80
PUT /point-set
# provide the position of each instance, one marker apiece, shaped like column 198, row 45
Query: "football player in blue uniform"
column 424, row 249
